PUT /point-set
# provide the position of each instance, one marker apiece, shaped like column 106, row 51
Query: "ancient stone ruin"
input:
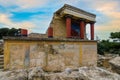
column 63, row 53
column 65, row 46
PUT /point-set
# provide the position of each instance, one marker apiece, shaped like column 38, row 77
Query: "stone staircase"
column 1, row 59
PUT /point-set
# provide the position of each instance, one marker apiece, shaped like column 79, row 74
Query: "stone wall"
column 51, row 55
column 37, row 35
column 59, row 27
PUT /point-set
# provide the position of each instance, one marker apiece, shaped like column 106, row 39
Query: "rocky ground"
column 82, row 73
column 109, row 69
column 115, row 64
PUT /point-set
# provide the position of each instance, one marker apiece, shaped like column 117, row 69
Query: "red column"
column 68, row 27
column 82, row 26
column 24, row 32
column 92, row 30
column 50, row 32
column 85, row 30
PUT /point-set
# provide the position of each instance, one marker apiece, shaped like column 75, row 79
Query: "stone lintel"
column 68, row 16
column 92, row 22
column 76, row 12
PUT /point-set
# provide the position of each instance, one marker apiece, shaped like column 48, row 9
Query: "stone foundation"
column 50, row 54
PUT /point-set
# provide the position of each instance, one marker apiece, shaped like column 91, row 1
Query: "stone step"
column 1, row 50
column 1, row 66
column 1, row 53
column 1, row 59
column 1, row 56
column 1, row 63
column 1, row 69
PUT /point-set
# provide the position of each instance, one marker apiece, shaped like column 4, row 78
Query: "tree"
column 3, row 32
column 110, row 47
column 115, row 35
column 7, row 32
column 103, row 47
column 12, row 32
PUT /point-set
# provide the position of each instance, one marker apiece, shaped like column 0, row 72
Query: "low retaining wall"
column 50, row 54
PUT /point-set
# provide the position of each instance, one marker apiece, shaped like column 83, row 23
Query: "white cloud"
column 7, row 22
column 109, row 9
column 108, row 16
column 23, row 4
column 35, row 24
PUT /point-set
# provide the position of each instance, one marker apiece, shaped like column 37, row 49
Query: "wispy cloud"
column 7, row 22
column 24, row 4
column 109, row 20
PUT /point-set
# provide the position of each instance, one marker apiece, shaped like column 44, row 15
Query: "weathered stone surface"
column 96, row 73
column 1, row 48
column 62, row 56
column 35, row 72
column 59, row 27
column 50, row 55
column 89, row 57
column 83, row 73
column 14, row 75
column 115, row 64
column 17, row 56
column 103, row 61
column 37, row 35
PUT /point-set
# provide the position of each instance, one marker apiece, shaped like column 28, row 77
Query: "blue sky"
column 35, row 15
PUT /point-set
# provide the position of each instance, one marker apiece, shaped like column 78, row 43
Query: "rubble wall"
column 50, row 55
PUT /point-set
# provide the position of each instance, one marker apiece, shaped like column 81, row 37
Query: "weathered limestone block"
column 89, row 56
column 39, row 60
column 60, row 58
column 17, row 56
column 115, row 64
column 37, row 55
column 55, row 63
column 59, row 27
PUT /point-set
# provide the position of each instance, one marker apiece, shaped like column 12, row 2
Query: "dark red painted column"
column 92, row 30
column 68, row 27
column 50, row 32
column 24, row 32
column 85, row 30
column 82, row 28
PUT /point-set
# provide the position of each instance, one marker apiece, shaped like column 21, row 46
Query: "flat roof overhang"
column 76, row 13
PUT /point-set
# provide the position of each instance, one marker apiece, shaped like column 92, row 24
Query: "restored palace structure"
column 64, row 45
column 70, row 22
